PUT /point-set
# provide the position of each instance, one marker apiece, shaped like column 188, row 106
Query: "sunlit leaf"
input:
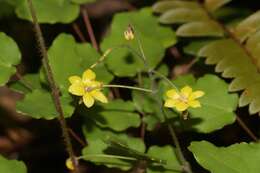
column 213, row 5
column 117, row 115
column 225, row 53
column 9, row 57
column 183, row 15
column 96, row 137
column 82, row 1
column 69, row 58
column 237, row 158
column 199, row 29
column 49, row 11
column 166, row 153
column 31, row 80
column 12, row 166
column 163, row 6
column 122, row 61
column 217, row 105
column 39, row 104
column 248, row 26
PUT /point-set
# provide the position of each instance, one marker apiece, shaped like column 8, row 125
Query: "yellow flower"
column 129, row 33
column 69, row 164
column 87, row 87
column 184, row 99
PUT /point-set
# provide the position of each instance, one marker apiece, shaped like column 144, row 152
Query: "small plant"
column 138, row 100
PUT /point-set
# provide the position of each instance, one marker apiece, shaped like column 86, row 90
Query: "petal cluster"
column 129, row 34
column 87, row 87
column 184, row 99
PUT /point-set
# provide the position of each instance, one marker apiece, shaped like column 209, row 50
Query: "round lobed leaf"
column 9, row 57
column 12, row 166
column 237, row 158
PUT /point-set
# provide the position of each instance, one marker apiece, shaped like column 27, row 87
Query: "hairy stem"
column 54, row 88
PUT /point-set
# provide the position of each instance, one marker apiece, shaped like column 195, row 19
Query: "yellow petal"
column 169, row 103
column 197, row 94
column 88, row 75
column 69, row 164
column 88, row 100
column 181, row 106
column 186, row 91
column 74, row 79
column 98, row 95
column 172, row 93
column 194, row 103
column 77, row 89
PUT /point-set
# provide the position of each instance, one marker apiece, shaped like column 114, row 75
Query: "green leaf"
column 244, row 71
column 200, row 29
column 123, row 62
column 183, row 15
column 213, row 5
column 117, row 115
column 33, row 80
column 9, row 57
column 96, row 136
column 253, row 45
column 193, row 47
column 248, row 26
column 39, row 104
column 89, row 56
column 49, row 11
column 166, row 153
column 69, row 58
column 11, row 166
column 82, row 1
column 163, row 6
column 237, row 158
column 6, row 9
column 217, row 105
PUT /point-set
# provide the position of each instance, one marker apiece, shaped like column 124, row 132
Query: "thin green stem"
column 109, row 50
column 128, row 87
column 165, row 78
column 183, row 161
column 106, row 156
column 53, row 86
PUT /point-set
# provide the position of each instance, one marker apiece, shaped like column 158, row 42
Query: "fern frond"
column 236, row 53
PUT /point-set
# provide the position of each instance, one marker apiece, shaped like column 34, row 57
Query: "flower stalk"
column 53, row 86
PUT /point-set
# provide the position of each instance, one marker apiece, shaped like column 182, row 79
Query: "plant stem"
column 76, row 137
column 107, row 156
column 78, row 32
column 54, row 88
column 128, row 87
column 185, row 163
column 24, row 82
column 246, row 129
column 165, row 78
column 89, row 28
column 180, row 156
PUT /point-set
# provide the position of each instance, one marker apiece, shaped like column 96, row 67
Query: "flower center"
column 89, row 89
column 183, row 98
